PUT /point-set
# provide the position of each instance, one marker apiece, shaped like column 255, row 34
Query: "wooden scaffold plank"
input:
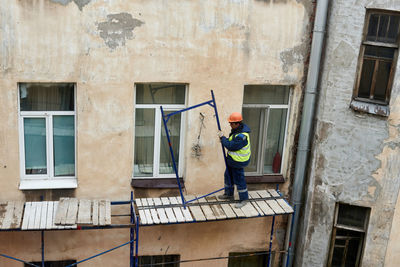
column 218, row 212
column 154, row 216
column 263, row 193
column 162, row 215
column 170, row 215
column 142, row 217
column 285, row 205
column 265, row 208
column 5, row 222
column 275, row 206
column 72, row 211
column 102, row 212
column 95, row 212
column 84, row 211
column 249, row 210
column 61, row 211
column 38, row 213
column 108, row 213
column 273, row 193
column 186, row 214
column 178, row 214
column 43, row 216
column 197, row 213
column 237, row 211
column 27, row 214
column 228, row 211
column 49, row 217
column 208, row 212
column 17, row 217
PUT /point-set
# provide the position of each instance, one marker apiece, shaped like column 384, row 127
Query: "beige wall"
column 220, row 45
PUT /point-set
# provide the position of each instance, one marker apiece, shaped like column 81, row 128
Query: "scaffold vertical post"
column 270, row 241
column 172, row 155
column 137, row 242
column 42, row 234
column 131, row 229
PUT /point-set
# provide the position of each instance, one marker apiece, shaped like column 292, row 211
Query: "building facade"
column 81, row 87
column 351, row 216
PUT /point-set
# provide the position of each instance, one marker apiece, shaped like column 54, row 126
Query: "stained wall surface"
column 105, row 47
column 355, row 156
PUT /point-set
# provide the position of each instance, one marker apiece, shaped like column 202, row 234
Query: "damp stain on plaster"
column 79, row 3
column 289, row 57
column 117, row 29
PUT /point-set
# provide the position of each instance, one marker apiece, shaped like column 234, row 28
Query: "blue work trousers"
column 235, row 176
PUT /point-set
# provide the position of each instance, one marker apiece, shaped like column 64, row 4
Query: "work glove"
column 220, row 134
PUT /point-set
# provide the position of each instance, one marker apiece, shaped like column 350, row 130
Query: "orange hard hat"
column 235, row 117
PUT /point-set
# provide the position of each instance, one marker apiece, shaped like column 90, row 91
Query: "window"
column 47, row 135
column 348, row 235
column 53, row 263
column 245, row 260
column 152, row 155
column 378, row 56
column 265, row 111
column 160, row 261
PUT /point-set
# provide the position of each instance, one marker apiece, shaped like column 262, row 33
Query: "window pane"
column 366, row 78
column 382, row 80
column 35, row 145
column 247, row 261
column 393, row 28
column 160, row 93
column 275, row 140
column 144, row 142
column 372, row 27
column 174, row 127
column 46, row 97
column 379, row 52
column 383, row 27
column 64, row 145
column 352, row 215
column 158, row 260
column 266, row 94
column 252, row 117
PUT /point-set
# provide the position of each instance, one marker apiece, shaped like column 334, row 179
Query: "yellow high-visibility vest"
column 242, row 154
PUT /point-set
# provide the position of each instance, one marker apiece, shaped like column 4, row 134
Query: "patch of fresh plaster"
column 289, row 57
column 343, row 55
column 79, row 3
column 117, row 29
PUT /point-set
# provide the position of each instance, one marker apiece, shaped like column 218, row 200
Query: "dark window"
column 53, row 263
column 246, row 260
column 160, row 261
column 378, row 56
column 348, row 235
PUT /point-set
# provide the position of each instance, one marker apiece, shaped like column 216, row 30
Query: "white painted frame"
column 157, row 137
column 263, row 133
column 45, row 181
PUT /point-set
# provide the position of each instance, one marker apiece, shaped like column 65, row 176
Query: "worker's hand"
column 220, row 134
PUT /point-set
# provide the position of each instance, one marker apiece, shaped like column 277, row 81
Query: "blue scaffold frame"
column 165, row 118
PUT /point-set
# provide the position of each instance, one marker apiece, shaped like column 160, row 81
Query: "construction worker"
column 238, row 157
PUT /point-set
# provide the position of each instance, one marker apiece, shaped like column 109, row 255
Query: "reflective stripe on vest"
column 242, row 154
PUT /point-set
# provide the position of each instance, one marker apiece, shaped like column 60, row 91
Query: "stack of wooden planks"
column 166, row 210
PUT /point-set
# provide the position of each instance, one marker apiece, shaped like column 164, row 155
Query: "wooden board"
column 253, row 195
column 178, row 214
column 265, row 208
column 228, row 211
column 157, row 201
column 17, row 217
column 165, row 201
column 27, row 214
column 150, row 201
column 201, row 199
column 211, row 199
column 84, row 212
column 142, row 216
column 187, row 215
column 263, row 193
column 173, row 200
column 148, row 216
column 275, row 206
column 43, row 216
column 218, row 212
column 55, row 208
column 170, row 215
column 108, row 213
column 154, row 216
column 38, row 213
column 285, row 206
column 197, row 213
column 95, row 212
column 49, row 216
column 273, row 193
column 162, row 215
column 208, row 212
column 238, row 212
column 61, row 212
column 102, row 212
column 138, row 202
column 249, row 210
column 72, row 212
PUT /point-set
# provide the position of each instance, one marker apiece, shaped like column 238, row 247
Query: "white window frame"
column 157, row 137
column 44, row 181
column 263, row 134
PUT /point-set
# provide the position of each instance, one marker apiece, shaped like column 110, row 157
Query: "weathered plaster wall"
column 107, row 46
column 355, row 157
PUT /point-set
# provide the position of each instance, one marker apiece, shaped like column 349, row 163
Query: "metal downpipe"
column 306, row 125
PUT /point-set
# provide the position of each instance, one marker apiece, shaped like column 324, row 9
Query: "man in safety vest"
column 238, row 146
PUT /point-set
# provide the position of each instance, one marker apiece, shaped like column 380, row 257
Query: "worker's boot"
column 225, row 197
column 241, row 204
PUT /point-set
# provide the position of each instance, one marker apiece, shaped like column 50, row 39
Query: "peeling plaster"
column 292, row 56
column 79, row 3
column 117, row 29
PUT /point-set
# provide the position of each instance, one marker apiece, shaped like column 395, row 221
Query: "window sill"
column 58, row 183
column 265, row 179
column 156, row 182
column 371, row 108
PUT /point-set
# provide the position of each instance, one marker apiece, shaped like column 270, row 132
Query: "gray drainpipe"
column 306, row 127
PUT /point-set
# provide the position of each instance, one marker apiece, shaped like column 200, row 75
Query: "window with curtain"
column 47, row 130
column 152, row 157
column 265, row 111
